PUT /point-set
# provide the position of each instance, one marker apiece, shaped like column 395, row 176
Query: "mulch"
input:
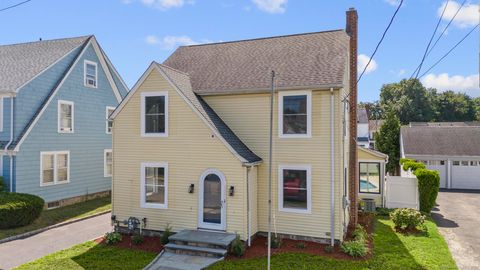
column 150, row 243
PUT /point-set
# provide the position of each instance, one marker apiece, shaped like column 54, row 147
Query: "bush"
column 137, row 239
column 407, row 218
column 19, row 209
column 413, row 165
column 380, row 211
column 3, row 187
column 111, row 238
column 328, row 249
column 355, row 248
column 238, row 247
column 300, row 245
column 275, row 241
column 360, row 234
column 166, row 234
column 428, row 186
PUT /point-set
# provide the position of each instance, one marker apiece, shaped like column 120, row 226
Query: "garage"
column 452, row 149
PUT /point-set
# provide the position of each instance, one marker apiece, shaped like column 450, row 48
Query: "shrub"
column 380, row 211
column 166, row 234
column 111, row 238
column 238, row 247
column 328, row 249
column 137, row 239
column 360, row 234
column 407, row 218
column 403, row 160
column 19, row 209
column 413, row 166
column 275, row 241
column 300, row 245
column 3, row 187
column 355, row 248
column 428, row 186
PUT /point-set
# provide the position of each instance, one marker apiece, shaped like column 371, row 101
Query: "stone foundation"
column 77, row 199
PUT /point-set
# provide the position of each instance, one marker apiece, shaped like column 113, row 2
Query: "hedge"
column 413, row 165
column 3, row 187
column 19, row 209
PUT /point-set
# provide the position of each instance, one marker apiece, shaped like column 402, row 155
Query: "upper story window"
column 109, row 123
column 54, row 168
column 65, row 116
column 90, row 76
column 295, row 114
column 295, row 189
column 369, row 177
column 154, row 113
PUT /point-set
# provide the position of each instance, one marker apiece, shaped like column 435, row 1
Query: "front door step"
column 196, row 250
column 207, row 239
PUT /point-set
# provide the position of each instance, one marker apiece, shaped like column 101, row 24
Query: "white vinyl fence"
column 401, row 192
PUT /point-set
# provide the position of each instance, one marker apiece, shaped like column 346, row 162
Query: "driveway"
column 18, row 252
column 458, row 219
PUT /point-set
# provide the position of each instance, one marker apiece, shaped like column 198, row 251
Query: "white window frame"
column 282, row 94
column 143, row 203
column 105, row 151
column 1, row 114
column 142, row 113
column 59, row 110
column 307, row 168
column 106, row 117
column 85, row 73
column 55, row 169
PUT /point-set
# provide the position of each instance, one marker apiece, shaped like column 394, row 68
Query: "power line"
column 430, row 41
column 16, row 5
column 443, row 32
column 445, row 55
column 380, row 42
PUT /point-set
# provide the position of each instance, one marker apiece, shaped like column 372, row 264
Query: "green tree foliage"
column 387, row 140
column 451, row 106
column 409, row 100
column 374, row 110
column 476, row 102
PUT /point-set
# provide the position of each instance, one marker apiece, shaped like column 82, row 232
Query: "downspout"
column 10, row 142
column 332, row 170
column 249, row 215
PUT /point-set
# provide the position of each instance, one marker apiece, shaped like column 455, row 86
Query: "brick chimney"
column 352, row 31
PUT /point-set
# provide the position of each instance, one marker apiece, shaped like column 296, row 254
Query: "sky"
column 134, row 33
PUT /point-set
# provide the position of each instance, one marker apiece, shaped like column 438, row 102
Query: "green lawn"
column 392, row 251
column 54, row 216
column 91, row 255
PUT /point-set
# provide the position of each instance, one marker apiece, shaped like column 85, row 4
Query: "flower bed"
column 150, row 243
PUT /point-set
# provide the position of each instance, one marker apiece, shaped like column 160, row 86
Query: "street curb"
column 37, row 231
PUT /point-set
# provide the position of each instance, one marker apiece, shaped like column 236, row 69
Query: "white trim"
column 143, row 203
column 107, row 117
column 1, row 114
column 105, row 151
column 142, row 113
column 85, row 63
column 55, row 169
column 59, row 118
column 223, row 222
column 1, row 164
column 307, row 168
column 282, row 94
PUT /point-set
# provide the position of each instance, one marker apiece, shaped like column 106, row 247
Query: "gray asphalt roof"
column 182, row 81
column 21, row 62
column 302, row 60
column 441, row 140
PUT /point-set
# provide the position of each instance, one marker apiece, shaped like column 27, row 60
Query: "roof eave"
column 267, row 90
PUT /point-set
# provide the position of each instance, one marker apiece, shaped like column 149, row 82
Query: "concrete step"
column 173, row 261
column 195, row 250
column 203, row 238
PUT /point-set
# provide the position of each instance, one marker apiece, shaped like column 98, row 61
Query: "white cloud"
column 458, row 83
column 466, row 17
column 271, row 6
column 161, row 4
column 362, row 62
column 171, row 42
column 392, row 2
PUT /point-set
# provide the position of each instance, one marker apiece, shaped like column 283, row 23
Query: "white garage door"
column 466, row 174
column 440, row 166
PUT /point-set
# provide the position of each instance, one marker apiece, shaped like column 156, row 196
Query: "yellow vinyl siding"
column 190, row 148
column 248, row 116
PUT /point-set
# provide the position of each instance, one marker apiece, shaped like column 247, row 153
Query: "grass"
column 91, row 255
column 426, row 250
column 54, row 216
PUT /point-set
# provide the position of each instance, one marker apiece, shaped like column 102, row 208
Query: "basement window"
column 295, row 189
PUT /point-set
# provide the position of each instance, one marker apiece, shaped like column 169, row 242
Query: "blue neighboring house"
column 55, row 137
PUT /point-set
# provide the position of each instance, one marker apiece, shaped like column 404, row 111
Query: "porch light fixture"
column 231, row 191
column 191, row 188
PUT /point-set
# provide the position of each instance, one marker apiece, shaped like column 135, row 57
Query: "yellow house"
column 191, row 139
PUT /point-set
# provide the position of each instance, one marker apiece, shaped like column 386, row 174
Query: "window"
column 456, row 163
column 464, row 163
column 1, row 114
column 473, row 163
column 294, row 114
column 90, row 74
column 54, row 168
column 65, row 116
column 369, row 177
column 442, row 162
column 109, row 123
column 154, row 181
column 295, row 189
column 107, row 162
column 154, row 122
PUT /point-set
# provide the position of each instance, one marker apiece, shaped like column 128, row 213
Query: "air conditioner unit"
column 91, row 82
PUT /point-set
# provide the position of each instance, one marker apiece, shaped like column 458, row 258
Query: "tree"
column 409, row 100
column 387, row 141
column 451, row 107
column 374, row 110
column 476, row 102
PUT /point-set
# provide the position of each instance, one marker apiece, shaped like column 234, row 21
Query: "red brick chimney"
column 352, row 31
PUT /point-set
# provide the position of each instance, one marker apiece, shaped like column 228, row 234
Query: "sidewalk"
column 18, row 252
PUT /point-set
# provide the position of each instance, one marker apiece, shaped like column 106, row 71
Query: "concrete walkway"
column 458, row 220
column 18, row 252
column 172, row 261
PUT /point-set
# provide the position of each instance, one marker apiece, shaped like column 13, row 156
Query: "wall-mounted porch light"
column 231, row 191
column 191, row 188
